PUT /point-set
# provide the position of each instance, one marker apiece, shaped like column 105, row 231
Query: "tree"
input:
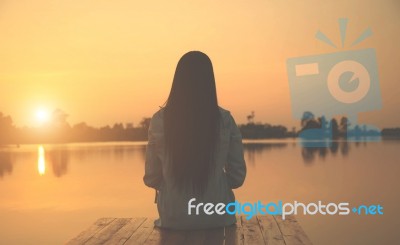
column 307, row 116
column 6, row 128
column 335, row 127
column 145, row 123
column 308, row 121
column 344, row 124
column 250, row 118
column 59, row 119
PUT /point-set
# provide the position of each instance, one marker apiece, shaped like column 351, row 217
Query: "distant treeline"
column 60, row 131
column 326, row 128
column 391, row 132
column 265, row 131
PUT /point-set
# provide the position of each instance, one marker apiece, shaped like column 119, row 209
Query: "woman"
column 194, row 150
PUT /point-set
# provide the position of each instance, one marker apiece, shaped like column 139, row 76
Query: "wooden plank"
column 264, row 229
column 142, row 233
column 291, row 230
column 251, row 231
column 123, row 234
column 107, row 232
column 91, row 231
column 234, row 233
column 205, row 236
column 270, row 230
column 154, row 237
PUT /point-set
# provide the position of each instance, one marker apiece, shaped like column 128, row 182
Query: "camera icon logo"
column 359, row 71
column 329, row 85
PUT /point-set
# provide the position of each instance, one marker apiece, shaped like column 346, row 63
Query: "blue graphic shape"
column 367, row 33
column 334, row 84
column 348, row 81
column 342, row 28
column 308, row 82
column 321, row 36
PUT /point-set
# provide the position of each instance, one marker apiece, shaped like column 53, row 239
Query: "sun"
column 42, row 115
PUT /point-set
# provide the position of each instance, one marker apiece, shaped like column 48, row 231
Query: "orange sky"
column 107, row 61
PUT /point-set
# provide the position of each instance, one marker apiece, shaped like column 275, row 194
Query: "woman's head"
column 191, row 122
column 194, row 82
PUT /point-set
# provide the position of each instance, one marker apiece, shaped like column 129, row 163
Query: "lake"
column 50, row 193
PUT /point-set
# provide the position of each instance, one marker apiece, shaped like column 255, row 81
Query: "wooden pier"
column 265, row 229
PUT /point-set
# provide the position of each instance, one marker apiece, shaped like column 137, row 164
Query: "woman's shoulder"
column 156, row 122
column 225, row 116
column 158, row 114
column 223, row 111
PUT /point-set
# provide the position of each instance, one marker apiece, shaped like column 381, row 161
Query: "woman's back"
column 195, row 151
column 228, row 172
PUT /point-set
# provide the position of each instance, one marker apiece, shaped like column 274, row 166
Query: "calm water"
column 49, row 193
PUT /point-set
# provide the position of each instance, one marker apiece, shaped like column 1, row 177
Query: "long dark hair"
column 191, row 122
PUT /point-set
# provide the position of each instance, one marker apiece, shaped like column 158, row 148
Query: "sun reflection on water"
column 41, row 161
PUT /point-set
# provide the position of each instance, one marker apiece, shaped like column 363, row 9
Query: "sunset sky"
column 107, row 61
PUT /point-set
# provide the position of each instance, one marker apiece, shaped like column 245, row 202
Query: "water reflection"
column 252, row 150
column 6, row 166
column 41, row 161
column 311, row 154
column 59, row 159
column 118, row 152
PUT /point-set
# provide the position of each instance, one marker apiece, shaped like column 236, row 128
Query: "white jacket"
column 229, row 174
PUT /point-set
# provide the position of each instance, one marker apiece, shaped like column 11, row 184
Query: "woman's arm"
column 153, row 169
column 236, row 166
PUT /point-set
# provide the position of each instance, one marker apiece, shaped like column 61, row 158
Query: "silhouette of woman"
column 194, row 150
